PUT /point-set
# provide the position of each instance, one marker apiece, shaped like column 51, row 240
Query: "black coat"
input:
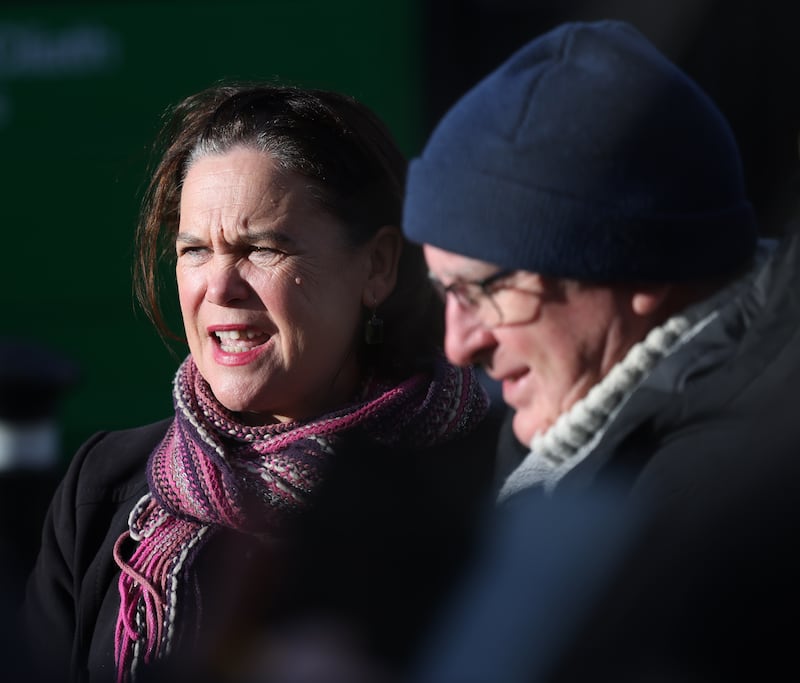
column 382, row 545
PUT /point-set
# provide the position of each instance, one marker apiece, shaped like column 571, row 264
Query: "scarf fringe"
column 148, row 584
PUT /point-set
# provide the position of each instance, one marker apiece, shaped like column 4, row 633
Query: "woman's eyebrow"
column 269, row 235
column 188, row 238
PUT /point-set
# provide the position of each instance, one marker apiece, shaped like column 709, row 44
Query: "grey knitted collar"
column 576, row 433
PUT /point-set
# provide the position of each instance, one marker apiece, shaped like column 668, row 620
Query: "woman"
column 321, row 452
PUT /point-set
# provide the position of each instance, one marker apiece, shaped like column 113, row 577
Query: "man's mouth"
column 511, row 385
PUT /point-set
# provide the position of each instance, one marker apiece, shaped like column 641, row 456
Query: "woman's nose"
column 466, row 338
column 226, row 283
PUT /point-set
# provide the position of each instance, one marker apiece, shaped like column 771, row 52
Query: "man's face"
column 555, row 340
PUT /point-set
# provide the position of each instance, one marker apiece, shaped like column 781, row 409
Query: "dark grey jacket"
column 667, row 555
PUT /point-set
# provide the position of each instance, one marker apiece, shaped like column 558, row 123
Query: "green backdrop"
column 82, row 90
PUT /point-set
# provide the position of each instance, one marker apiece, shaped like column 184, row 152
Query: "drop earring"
column 373, row 330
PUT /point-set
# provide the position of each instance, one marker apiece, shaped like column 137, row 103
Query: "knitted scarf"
column 203, row 474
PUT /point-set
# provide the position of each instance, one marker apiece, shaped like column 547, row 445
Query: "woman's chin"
column 254, row 419
column 235, row 399
column 254, row 413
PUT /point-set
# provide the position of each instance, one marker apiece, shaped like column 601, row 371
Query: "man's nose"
column 466, row 337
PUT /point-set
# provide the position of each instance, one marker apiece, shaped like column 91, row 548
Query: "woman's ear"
column 384, row 249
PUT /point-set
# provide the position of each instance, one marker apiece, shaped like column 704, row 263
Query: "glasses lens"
column 504, row 302
column 489, row 312
column 439, row 288
column 470, row 297
column 492, row 302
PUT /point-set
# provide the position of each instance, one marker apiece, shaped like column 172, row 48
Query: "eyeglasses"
column 491, row 300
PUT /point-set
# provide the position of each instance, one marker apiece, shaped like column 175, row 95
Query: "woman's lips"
column 239, row 341
column 238, row 345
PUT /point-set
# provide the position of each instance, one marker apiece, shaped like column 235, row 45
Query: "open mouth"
column 239, row 341
column 512, row 384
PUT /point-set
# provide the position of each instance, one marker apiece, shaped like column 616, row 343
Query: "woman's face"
column 270, row 292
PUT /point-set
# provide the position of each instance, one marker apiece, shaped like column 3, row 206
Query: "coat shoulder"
column 112, row 463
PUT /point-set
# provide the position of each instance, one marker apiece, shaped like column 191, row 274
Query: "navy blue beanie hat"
column 586, row 155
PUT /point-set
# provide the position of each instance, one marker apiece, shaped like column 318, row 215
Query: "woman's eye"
column 265, row 255
column 192, row 252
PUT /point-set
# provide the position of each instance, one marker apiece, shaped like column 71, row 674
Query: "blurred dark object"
column 603, row 588
column 33, row 379
column 544, row 563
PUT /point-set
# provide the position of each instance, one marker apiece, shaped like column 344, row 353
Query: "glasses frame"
column 460, row 290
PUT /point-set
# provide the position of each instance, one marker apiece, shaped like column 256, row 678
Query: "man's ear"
column 650, row 301
column 384, row 249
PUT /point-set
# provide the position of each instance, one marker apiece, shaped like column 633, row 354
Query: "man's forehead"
column 443, row 263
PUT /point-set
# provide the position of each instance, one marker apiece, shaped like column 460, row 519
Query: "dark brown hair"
column 357, row 173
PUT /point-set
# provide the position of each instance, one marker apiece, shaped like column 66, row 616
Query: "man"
column 573, row 206
column 584, row 215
